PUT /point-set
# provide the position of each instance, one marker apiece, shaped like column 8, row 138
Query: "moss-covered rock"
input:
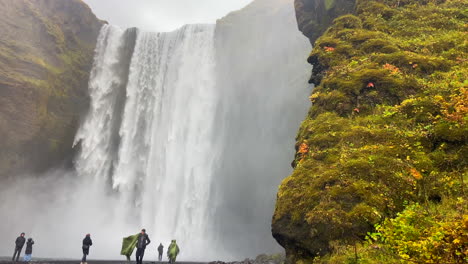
column 387, row 125
column 46, row 52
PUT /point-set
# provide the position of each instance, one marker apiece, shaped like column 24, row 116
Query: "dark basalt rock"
column 315, row 16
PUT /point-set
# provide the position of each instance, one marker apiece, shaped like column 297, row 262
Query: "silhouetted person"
column 19, row 243
column 160, row 251
column 29, row 249
column 173, row 251
column 142, row 242
column 87, row 243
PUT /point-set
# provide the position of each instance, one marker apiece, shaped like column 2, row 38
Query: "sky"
column 162, row 15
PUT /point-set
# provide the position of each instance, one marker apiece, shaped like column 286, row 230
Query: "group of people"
column 139, row 241
column 19, row 244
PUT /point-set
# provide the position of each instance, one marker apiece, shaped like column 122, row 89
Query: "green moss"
column 329, row 4
column 347, row 22
column 52, row 28
column 387, row 125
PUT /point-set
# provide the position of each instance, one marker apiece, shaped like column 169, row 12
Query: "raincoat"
column 173, row 251
column 128, row 244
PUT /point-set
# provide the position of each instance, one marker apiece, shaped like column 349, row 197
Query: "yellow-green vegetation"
column 384, row 143
column 431, row 233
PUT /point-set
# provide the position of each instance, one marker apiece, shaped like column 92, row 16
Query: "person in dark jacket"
column 87, row 243
column 160, row 251
column 142, row 242
column 29, row 249
column 19, row 243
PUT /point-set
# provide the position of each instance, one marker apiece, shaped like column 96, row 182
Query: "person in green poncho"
column 128, row 245
column 172, row 251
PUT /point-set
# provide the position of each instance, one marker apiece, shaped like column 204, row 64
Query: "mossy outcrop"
column 46, row 52
column 387, row 127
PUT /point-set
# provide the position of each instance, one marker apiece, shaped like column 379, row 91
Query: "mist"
column 57, row 209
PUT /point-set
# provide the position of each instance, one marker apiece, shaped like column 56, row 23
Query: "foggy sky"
column 162, row 15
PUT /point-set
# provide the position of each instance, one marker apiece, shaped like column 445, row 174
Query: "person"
column 142, row 242
column 160, row 251
column 87, row 243
column 28, row 251
column 173, row 251
column 19, row 243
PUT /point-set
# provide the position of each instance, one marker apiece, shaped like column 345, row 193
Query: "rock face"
column 387, row 124
column 46, row 52
column 315, row 16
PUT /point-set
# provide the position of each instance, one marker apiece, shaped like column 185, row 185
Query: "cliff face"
column 387, row 128
column 315, row 16
column 46, row 52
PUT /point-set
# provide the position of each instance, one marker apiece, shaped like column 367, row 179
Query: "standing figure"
column 142, row 242
column 173, row 251
column 28, row 252
column 160, row 251
column 19, row 243
column 87, row 243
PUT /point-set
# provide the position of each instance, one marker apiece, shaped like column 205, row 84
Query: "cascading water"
column 161, row 165
column 188, row 135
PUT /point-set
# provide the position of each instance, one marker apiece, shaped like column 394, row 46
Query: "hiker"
column 142, row 242
column 19, row 243
column 87, row 242
column 173, row 251
column 28, row 252
column 160, row 251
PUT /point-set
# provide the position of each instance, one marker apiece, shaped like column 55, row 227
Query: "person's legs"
column 142, row 255
column 138, row 256
column 19, row 253
column 160, row 257
column 85, row 253
column 14, row 254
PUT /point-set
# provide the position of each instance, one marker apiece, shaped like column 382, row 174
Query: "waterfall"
column 160, row 165
column 188, row 135
column 191, row 131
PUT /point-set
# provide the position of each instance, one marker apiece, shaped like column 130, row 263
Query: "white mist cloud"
column 162, row 15
column 57, row 209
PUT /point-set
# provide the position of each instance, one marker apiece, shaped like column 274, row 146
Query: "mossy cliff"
column 46, row 52
column 380, row 170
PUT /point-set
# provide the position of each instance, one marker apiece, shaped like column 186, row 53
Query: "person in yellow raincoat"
column 173, row 251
